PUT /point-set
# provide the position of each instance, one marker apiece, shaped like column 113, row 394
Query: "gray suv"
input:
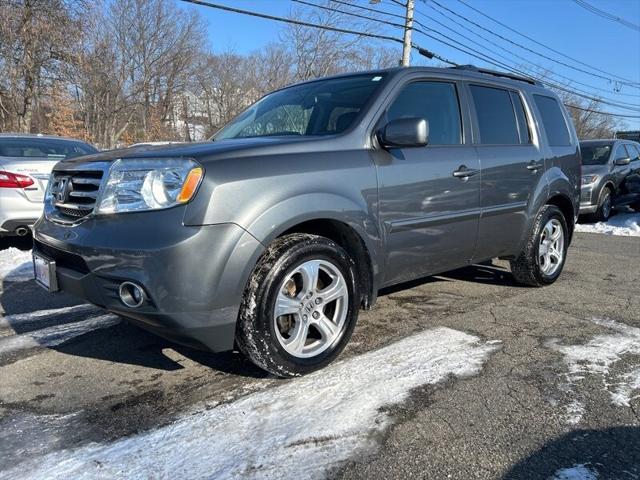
column 272, row 236
column 610, row 177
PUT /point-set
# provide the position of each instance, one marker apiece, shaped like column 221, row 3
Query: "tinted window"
column 553, row 121
column 523, row 125
column 496, row 117
column 436, row 102
column 17, row 147
column 595, row 154
column 621, row 153
column 322, row 107
column 634, row 152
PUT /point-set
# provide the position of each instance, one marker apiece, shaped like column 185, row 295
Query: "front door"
column 429, row 213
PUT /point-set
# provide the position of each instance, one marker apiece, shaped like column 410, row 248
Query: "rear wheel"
column 299, row 308
column 542, row 260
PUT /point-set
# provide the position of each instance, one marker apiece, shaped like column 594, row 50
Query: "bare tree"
column 37, row 38
column 588, row 123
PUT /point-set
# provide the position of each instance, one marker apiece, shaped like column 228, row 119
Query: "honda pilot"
column 273, row 235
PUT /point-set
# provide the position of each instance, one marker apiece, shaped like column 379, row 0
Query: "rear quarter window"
column 554, row 123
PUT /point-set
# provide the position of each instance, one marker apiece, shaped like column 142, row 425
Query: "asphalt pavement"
column 559, row 390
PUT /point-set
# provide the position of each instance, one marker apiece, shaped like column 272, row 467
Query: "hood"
column 595, row 169
column 202, row 150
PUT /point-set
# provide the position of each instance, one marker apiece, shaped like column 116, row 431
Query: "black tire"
column 604, row 210
column 255, row 333
column 526, row 268
column 635, row 206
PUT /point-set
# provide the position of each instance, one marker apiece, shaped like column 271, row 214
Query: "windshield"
column 323, row 107
column 43, row 148
column 595, row 154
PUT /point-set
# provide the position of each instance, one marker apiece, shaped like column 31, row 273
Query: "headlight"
column 588, row 179
column 135, row 185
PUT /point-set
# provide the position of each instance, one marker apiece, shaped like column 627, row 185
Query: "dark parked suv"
column 274, row 234
column 610, row 177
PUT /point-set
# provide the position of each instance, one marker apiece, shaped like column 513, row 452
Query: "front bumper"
column 194, row 277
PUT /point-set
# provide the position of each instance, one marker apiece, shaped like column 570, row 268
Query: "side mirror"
column 405, row 133
column 623, row 161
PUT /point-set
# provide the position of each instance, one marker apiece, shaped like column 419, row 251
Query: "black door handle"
column 463, row 172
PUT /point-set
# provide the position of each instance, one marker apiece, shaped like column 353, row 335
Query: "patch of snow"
column 25, row 318
column 15, row 265
column 56, row 335
column 623, row 393
column 575, row 411
column 305, row 427
column 625, row 224
column 597, row 356
column 577, row 472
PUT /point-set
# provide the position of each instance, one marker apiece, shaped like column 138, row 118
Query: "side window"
column 621, row 153
column 634, row 152
column 523, row 125
column 436, row 102
column 496, row 116
column 553, row 121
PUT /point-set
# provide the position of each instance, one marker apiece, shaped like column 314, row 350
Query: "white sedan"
column 25, row 165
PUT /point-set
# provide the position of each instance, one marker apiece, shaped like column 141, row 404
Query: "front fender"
column 293, row 211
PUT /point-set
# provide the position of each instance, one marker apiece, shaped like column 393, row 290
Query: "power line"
column 486, row 58
column 608, row 16
column 369, row 9
column 292, row 21
column 336, row 10
column 565, row 78
column 524, row 47
column 421, row 50
column 626, row 80
column 599, row 112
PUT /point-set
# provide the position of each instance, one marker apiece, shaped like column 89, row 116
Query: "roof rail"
column 495, row 73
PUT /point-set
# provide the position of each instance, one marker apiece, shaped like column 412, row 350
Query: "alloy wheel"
column 551, row 247
column 311, row 308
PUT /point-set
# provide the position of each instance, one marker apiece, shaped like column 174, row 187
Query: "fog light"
column 131, row 295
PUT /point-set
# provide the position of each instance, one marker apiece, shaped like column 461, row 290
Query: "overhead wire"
column 421, row 50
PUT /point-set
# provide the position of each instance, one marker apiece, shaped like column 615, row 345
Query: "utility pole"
column 408, row 28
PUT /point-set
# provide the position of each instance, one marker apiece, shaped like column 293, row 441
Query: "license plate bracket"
column 44, row 270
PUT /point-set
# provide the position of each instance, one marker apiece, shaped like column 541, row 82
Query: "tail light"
column 14, row 180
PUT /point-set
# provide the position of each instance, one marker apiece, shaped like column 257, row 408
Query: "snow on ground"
column 596, row 358
column 15, row 265
column 625, row 224
column 55, row 335
column 24, row 319
column 577, row 472
column 306, row 427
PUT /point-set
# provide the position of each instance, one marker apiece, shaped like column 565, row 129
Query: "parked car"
column 274, row 234
column 610, row 177
column 25, row 165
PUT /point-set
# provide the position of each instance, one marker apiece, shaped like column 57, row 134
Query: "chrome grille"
column 74, row 193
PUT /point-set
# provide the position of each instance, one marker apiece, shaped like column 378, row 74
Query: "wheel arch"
column 349, row 239
column 565, row 205
column 349, row 222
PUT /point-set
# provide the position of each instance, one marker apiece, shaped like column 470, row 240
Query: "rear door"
column 430, row 217
column 512, row 167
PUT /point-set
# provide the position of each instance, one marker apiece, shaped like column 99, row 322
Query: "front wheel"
column 300, row 305
column 605, row 205
column 542, row 259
